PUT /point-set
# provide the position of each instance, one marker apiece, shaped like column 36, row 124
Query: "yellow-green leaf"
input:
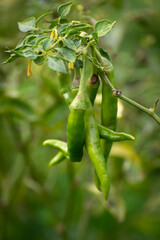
column 64, row 9
column 28, row 24
column 103, row 27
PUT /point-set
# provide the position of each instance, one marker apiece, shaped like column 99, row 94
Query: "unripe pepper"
column 59, row 157
column 93, row 147
column 92, row 88
column 108, row 110
column 108, row 134
column 75, row 126
column 109, row 102
column 61, row 145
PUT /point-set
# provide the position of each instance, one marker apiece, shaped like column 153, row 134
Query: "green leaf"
column 39, row 39
column 77, row 42
column 95, row 36
column 47, row 44
column 41, row 17
column 70, row 44
column 103, row 27
column 28, row 53
column 64, row 9
column 61, row 29
column 104, row 54
column 77, row 28
column 39, row 60
column 24, row 39
column 67, row 54
column 64, row 21
column 56, row 64
column 11, row 58
column 28, row 24
column 53, row 23
column 25, row 51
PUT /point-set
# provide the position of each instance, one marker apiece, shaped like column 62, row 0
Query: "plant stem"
column 82, row 80
column 104, row 76
column 119, row 94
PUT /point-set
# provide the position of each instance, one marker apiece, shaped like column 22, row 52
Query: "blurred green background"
column 42, row 203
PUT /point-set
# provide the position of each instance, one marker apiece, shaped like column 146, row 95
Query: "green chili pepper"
column 109, row 102
column 92, row 88
column 93, row 147
column 108, row 110
column 58, row 144
column 75, row 126
column 108, row 106
column 108, row 114
column 113, row 136
column 59, row 157
column 65, row 88
column 97, row 181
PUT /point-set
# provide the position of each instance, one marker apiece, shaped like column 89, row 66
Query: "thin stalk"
column 82, row 80
column 107, row 81
column 117, row 93
column 142, row 108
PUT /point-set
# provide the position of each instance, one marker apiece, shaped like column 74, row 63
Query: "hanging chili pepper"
column 75, row 126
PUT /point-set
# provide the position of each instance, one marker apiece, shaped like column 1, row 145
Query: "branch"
column 117, row 93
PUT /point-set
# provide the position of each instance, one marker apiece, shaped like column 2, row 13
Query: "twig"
column 117, row 93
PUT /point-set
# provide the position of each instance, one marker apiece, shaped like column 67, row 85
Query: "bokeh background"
column 42, row 203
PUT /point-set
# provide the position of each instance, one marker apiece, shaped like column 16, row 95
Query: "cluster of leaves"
column 60, row 43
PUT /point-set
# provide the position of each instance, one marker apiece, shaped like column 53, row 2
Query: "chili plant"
column 68, row 47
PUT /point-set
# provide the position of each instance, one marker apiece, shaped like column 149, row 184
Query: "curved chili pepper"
column 108, row 134
column 59, row 157
column 92, row 88
column 109, row 102
column 108, row 112
column 93, row 147
column 61, row 145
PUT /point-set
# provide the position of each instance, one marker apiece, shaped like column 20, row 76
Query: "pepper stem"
column 82, row 79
